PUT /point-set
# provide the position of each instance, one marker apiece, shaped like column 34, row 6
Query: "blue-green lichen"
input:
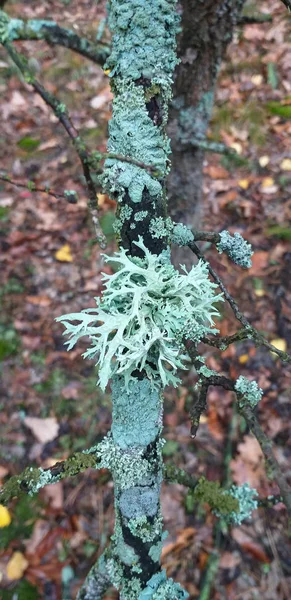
column 144, row 39
column 133, row 134
column 127, row 468
column 125, row 213
column 156, row 549
column 203, row 370
column 136, row 413
column 160, row 227
column 140, row 215
column 245, row 496
column 181, row 235
column 145, row 311
column 147, row 532
column 238, row 250
column 141, row 500
column 193, row 121
column 250, row 391
column 161, row 588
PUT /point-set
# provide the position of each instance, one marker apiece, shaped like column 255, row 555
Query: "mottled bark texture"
column 140, row 66
column 206, row 30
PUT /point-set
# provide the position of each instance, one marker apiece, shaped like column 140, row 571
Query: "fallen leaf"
column 248, row 465
column 243, row 359
column 267, row 182
column 244, row 184
column 44, row 430
column 5, row 518
column 280, row 344
column 264, row 160
column 237, row 147
column 64, row 254
column 257, row 79
column 16, row 566
column 248, row 544
column 216, row 172
column 286, row 164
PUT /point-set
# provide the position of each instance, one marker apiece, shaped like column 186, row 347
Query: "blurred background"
column 51, row 265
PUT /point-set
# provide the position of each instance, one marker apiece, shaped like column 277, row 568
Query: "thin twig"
column 254, row 19
column 61, row 112
column 251, row 332
column 248, row 413
column 32, row 187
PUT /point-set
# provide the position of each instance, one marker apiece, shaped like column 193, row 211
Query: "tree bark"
column 206, row 30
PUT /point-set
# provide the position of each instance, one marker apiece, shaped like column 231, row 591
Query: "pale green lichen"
column 124, row 215
column 136, row 413
column 141, row 500
column 160, row 227
column 250, row 391
column 142, row 316
column 127, row 468
column 133, row 134
column 144, row 39
column 147, row 531
column 71, row 195
column 156, row 549
column 181, row 235
column 193, row 121
column 236, row 248
column 140, row 215
column 245, row 496
column 161, row 588
column 203, row 370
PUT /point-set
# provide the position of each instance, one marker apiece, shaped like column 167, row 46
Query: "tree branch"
column 61, row 112
column 33, row 479
column 248, row 413
column 254, row 19
column 287, row 4
column 97, row 580
column 250, row 331
column 70, row 197
column 35, row 29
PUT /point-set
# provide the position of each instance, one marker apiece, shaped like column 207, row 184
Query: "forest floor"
column 50, row 406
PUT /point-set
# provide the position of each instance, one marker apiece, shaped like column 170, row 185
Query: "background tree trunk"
column 206, row 30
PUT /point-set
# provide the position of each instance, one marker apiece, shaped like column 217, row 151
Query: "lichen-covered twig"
column 248, row 413
column 97, row 580
column 51, row 32
column 68, row 195
column 287, row 4
column 33, row 479
column 210, row 146
column 250, row 331
column 254, row 19
column 61, row 112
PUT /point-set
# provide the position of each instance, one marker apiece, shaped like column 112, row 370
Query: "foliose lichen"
column 181, row 235
column 193, row 121
column 236, row 248
column 140, row 215
column 161, row 588
column 136, row 413
column 142, row 317
column 144, row 39
column 147, row 532
column 250, row 391
column 160, row 227
column 203, row 370
column 133, row 134
column 245, row 496
column 127, row 468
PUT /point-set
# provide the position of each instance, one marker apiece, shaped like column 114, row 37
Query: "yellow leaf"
column 5, row 518
column 260, row 293
column 280, row 344
column 267, row 182
column 244, row 183
column 16, row 566
column 286, row 164
column 237, row 147
column 64, row 254
column 257, row 79
column 243, row 359
column 107, row 71
column 264, row 160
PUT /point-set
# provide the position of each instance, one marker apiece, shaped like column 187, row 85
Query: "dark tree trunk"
column 206, row 30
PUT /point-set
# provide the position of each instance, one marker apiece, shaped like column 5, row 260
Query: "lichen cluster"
column 133, row 134
column 236, row 248
column 161, row 588
column 249, row 390
column 145, row 310
column 245, row 496
column 144, row 39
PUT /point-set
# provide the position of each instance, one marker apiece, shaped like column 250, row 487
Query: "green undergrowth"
column 251, row 116
column 9, row 341
column 23, row 590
